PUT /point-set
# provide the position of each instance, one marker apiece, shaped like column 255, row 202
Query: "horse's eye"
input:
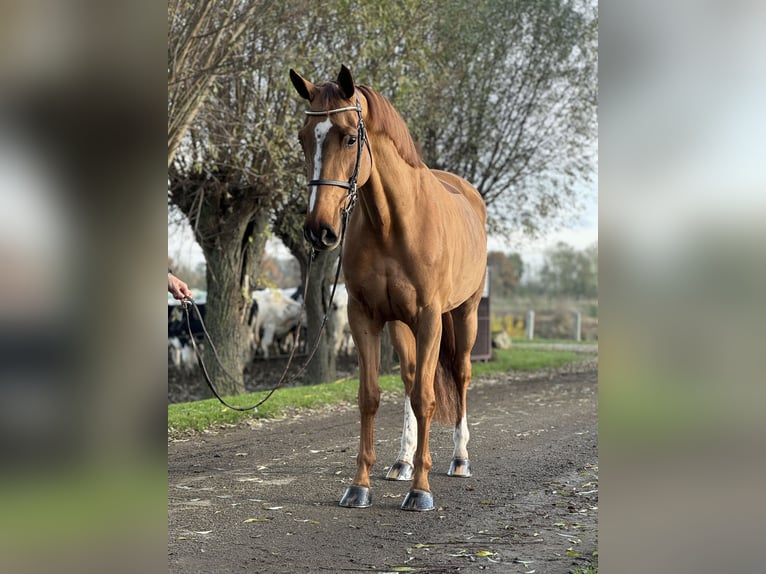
column 351, row 141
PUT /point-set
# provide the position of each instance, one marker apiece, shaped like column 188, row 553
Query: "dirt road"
column 264, row 498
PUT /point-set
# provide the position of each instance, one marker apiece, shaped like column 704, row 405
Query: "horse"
column 414, row 261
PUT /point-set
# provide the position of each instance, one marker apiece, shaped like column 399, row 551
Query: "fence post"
column 577, row 326
column 530, row 324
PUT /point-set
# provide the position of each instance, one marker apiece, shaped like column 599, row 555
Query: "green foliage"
column 509, row 103
column 567, row 271
column 505, row 272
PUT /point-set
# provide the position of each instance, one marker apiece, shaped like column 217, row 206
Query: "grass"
column 200, row 415
column 536, row 341
column 525, row 359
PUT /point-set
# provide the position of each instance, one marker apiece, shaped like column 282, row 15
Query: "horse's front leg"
column 423, row 402
column 366, row 334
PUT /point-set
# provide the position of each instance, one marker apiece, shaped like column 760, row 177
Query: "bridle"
column 361, row 140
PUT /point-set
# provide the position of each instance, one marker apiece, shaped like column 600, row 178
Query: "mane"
column 382, row 117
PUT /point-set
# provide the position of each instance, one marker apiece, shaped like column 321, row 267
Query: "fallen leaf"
column 202, row 531
column 257, row 519
column 483, row 553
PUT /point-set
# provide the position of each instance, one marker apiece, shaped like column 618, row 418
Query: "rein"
column 188, row 304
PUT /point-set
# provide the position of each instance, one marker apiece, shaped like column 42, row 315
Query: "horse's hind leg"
column 465, row 322
column 404, row 343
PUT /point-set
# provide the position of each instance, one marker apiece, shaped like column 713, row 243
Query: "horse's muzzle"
column 323, row 239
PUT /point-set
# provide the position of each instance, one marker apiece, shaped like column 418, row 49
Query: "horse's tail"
column 448, row 407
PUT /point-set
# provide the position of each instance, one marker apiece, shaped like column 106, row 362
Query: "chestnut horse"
column 414, row 259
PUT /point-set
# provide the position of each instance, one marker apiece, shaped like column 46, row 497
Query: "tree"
column 202, row 38
column 224, row 176
column 505, row 272
column 567, row 271
column 510, row 104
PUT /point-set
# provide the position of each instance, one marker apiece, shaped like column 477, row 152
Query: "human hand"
column 178, row 288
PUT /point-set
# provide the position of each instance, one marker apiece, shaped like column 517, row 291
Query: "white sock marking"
column 461, row 435
column 409, row 433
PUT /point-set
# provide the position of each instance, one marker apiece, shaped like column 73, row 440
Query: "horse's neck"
column 390, row 192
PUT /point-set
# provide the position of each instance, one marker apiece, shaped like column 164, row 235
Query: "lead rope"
column 345, row 213
column 190, row 303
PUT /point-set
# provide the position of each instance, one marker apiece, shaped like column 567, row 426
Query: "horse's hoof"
column 460, row 467
column 418, row 500
column 356, row 497
column 400, row 470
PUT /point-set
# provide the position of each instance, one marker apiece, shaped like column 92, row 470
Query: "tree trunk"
column 229, row 224
column 225, row 308
column 321, row 369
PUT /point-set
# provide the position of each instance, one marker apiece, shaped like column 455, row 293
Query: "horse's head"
column 333, row 139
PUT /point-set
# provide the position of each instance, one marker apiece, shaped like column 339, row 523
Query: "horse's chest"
column 385, row 289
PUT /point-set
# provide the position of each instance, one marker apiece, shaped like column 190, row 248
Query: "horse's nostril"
column 328, row 236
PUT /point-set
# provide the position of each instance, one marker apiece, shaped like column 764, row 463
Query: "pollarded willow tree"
column 202, row 40
column 230, row 168
column 510, row 104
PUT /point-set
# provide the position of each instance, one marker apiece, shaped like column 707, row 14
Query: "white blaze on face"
column 460, row 435
column 320, row 134
column 409, row 433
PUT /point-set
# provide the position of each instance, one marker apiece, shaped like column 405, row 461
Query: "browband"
column 335, row 111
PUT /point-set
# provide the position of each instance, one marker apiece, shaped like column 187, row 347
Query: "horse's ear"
column 305, row 89
column 346, row 82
